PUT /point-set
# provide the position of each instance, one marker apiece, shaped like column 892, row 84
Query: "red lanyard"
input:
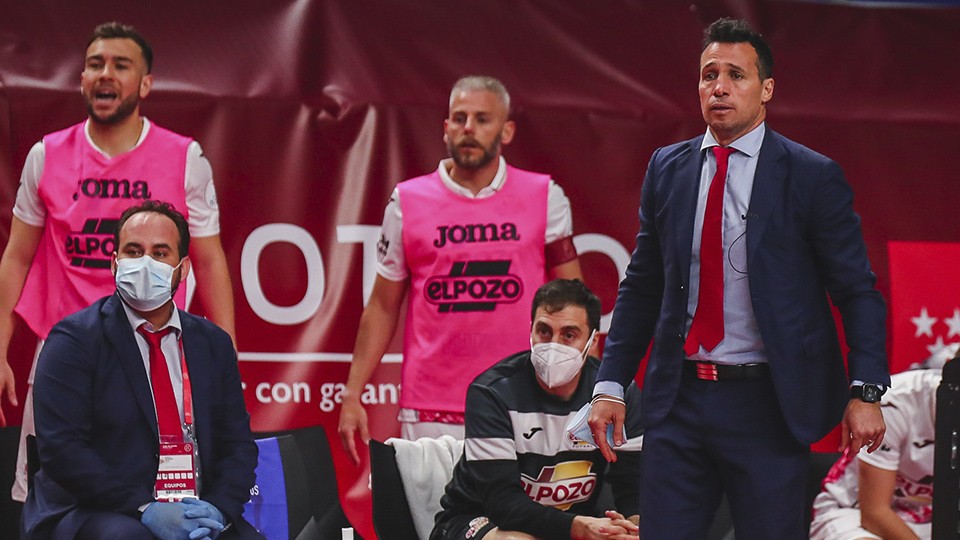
column 187, row 388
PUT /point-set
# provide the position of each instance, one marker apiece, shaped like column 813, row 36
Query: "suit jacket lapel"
column 686, row 187
column 196, row 359
column 768, row 187
column 120, row 335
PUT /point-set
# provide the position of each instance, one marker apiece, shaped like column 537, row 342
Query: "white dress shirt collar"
column 748, row 143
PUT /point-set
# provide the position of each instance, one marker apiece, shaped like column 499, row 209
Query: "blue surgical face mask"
column 145, row 283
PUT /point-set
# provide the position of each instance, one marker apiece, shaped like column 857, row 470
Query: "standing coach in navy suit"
column 131, row 384
column 746, row 370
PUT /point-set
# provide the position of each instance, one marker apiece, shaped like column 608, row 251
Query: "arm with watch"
column 862, row 424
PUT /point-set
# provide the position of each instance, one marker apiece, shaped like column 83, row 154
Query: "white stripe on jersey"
column 546, row 435
column 541, row 433
column 477, row 449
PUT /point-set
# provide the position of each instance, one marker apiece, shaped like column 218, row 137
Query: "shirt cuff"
column 609, row 388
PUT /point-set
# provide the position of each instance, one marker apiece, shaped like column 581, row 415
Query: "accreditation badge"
column 176, row 475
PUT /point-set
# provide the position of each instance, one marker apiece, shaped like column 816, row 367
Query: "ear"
column 766, row 94
column 146, row 83
column 184, row 269
column 506, row 134
column 446, row 140
column 113, row 264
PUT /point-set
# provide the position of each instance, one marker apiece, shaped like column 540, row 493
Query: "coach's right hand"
column 602, row 414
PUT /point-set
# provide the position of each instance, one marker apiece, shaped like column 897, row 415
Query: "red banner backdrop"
column 924, row 300
column 312, row 110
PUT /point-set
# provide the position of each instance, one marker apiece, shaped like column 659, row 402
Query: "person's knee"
column 106, row 525
column 497, row 534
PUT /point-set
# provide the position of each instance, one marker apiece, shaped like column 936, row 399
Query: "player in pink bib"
column 472, row 243
column 75, row 184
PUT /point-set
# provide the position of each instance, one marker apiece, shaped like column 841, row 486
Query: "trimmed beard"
column 124, row 110
column 489, row 154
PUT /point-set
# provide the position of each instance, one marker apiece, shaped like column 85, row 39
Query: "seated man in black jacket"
column 522, row 475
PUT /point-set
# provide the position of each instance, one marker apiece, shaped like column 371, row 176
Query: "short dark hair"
column 162, row 208
column 727, row 30
column 560, row 293
column 115, row 30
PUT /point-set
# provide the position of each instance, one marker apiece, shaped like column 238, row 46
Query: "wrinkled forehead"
column 116, row 48
column 571, row 316
column 740, row 55
column 149, row 229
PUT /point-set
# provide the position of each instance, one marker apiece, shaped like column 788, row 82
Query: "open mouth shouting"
column 105, row 96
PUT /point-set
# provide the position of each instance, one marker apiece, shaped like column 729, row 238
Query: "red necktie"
column 707, row 327
column 168, row 415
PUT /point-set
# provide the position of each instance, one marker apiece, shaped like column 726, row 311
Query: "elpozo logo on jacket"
column 474, row 286
column 561, row 485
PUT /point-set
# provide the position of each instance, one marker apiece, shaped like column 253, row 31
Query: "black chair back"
column 313, row 502
column 391, row 510
column 946, row 456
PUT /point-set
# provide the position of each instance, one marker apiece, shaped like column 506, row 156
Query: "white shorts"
column 411, row 429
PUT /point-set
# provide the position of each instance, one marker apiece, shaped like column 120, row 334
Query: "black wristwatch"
column 869, row 393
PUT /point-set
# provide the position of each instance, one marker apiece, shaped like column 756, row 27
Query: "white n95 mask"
column 557, row 364
column 145, row 283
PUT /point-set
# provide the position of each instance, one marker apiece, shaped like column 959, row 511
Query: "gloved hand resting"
column 199, row 508
column 168, row 521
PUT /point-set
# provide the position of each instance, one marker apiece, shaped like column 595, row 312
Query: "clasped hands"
column 189, row 519
column 613, row 526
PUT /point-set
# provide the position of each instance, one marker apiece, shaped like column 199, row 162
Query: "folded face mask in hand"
column 579, row 429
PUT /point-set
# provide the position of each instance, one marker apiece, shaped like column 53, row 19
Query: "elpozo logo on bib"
column 474, row 286
column 92, row 246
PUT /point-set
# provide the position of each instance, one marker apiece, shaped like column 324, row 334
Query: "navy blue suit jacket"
column 803, row 244
column 97, row 428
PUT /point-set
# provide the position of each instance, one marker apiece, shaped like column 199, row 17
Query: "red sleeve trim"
column 560, row 251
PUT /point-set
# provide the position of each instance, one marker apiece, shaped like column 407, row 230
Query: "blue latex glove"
column 168, row 521
column 200, row 509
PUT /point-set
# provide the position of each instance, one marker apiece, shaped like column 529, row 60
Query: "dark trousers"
column 106, row 525
column 111, row 525
column 723, row 436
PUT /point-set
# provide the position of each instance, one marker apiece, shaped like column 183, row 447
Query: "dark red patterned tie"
column 707, row 327
column 168, row 416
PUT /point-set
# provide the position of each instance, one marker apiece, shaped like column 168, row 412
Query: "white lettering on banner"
column 298, row 392
column 368, row 235
column 260, row 238
column 601, row 243
column 392, row 358
column 381, row 394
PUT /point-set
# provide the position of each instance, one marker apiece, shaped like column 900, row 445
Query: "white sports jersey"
column 908, row 412
column 391, row 261
column 201, row 197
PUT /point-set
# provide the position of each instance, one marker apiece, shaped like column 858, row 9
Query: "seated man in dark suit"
column 142, row 430
column 522, row 476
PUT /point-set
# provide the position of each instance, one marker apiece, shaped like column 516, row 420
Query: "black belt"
column 709, row 371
